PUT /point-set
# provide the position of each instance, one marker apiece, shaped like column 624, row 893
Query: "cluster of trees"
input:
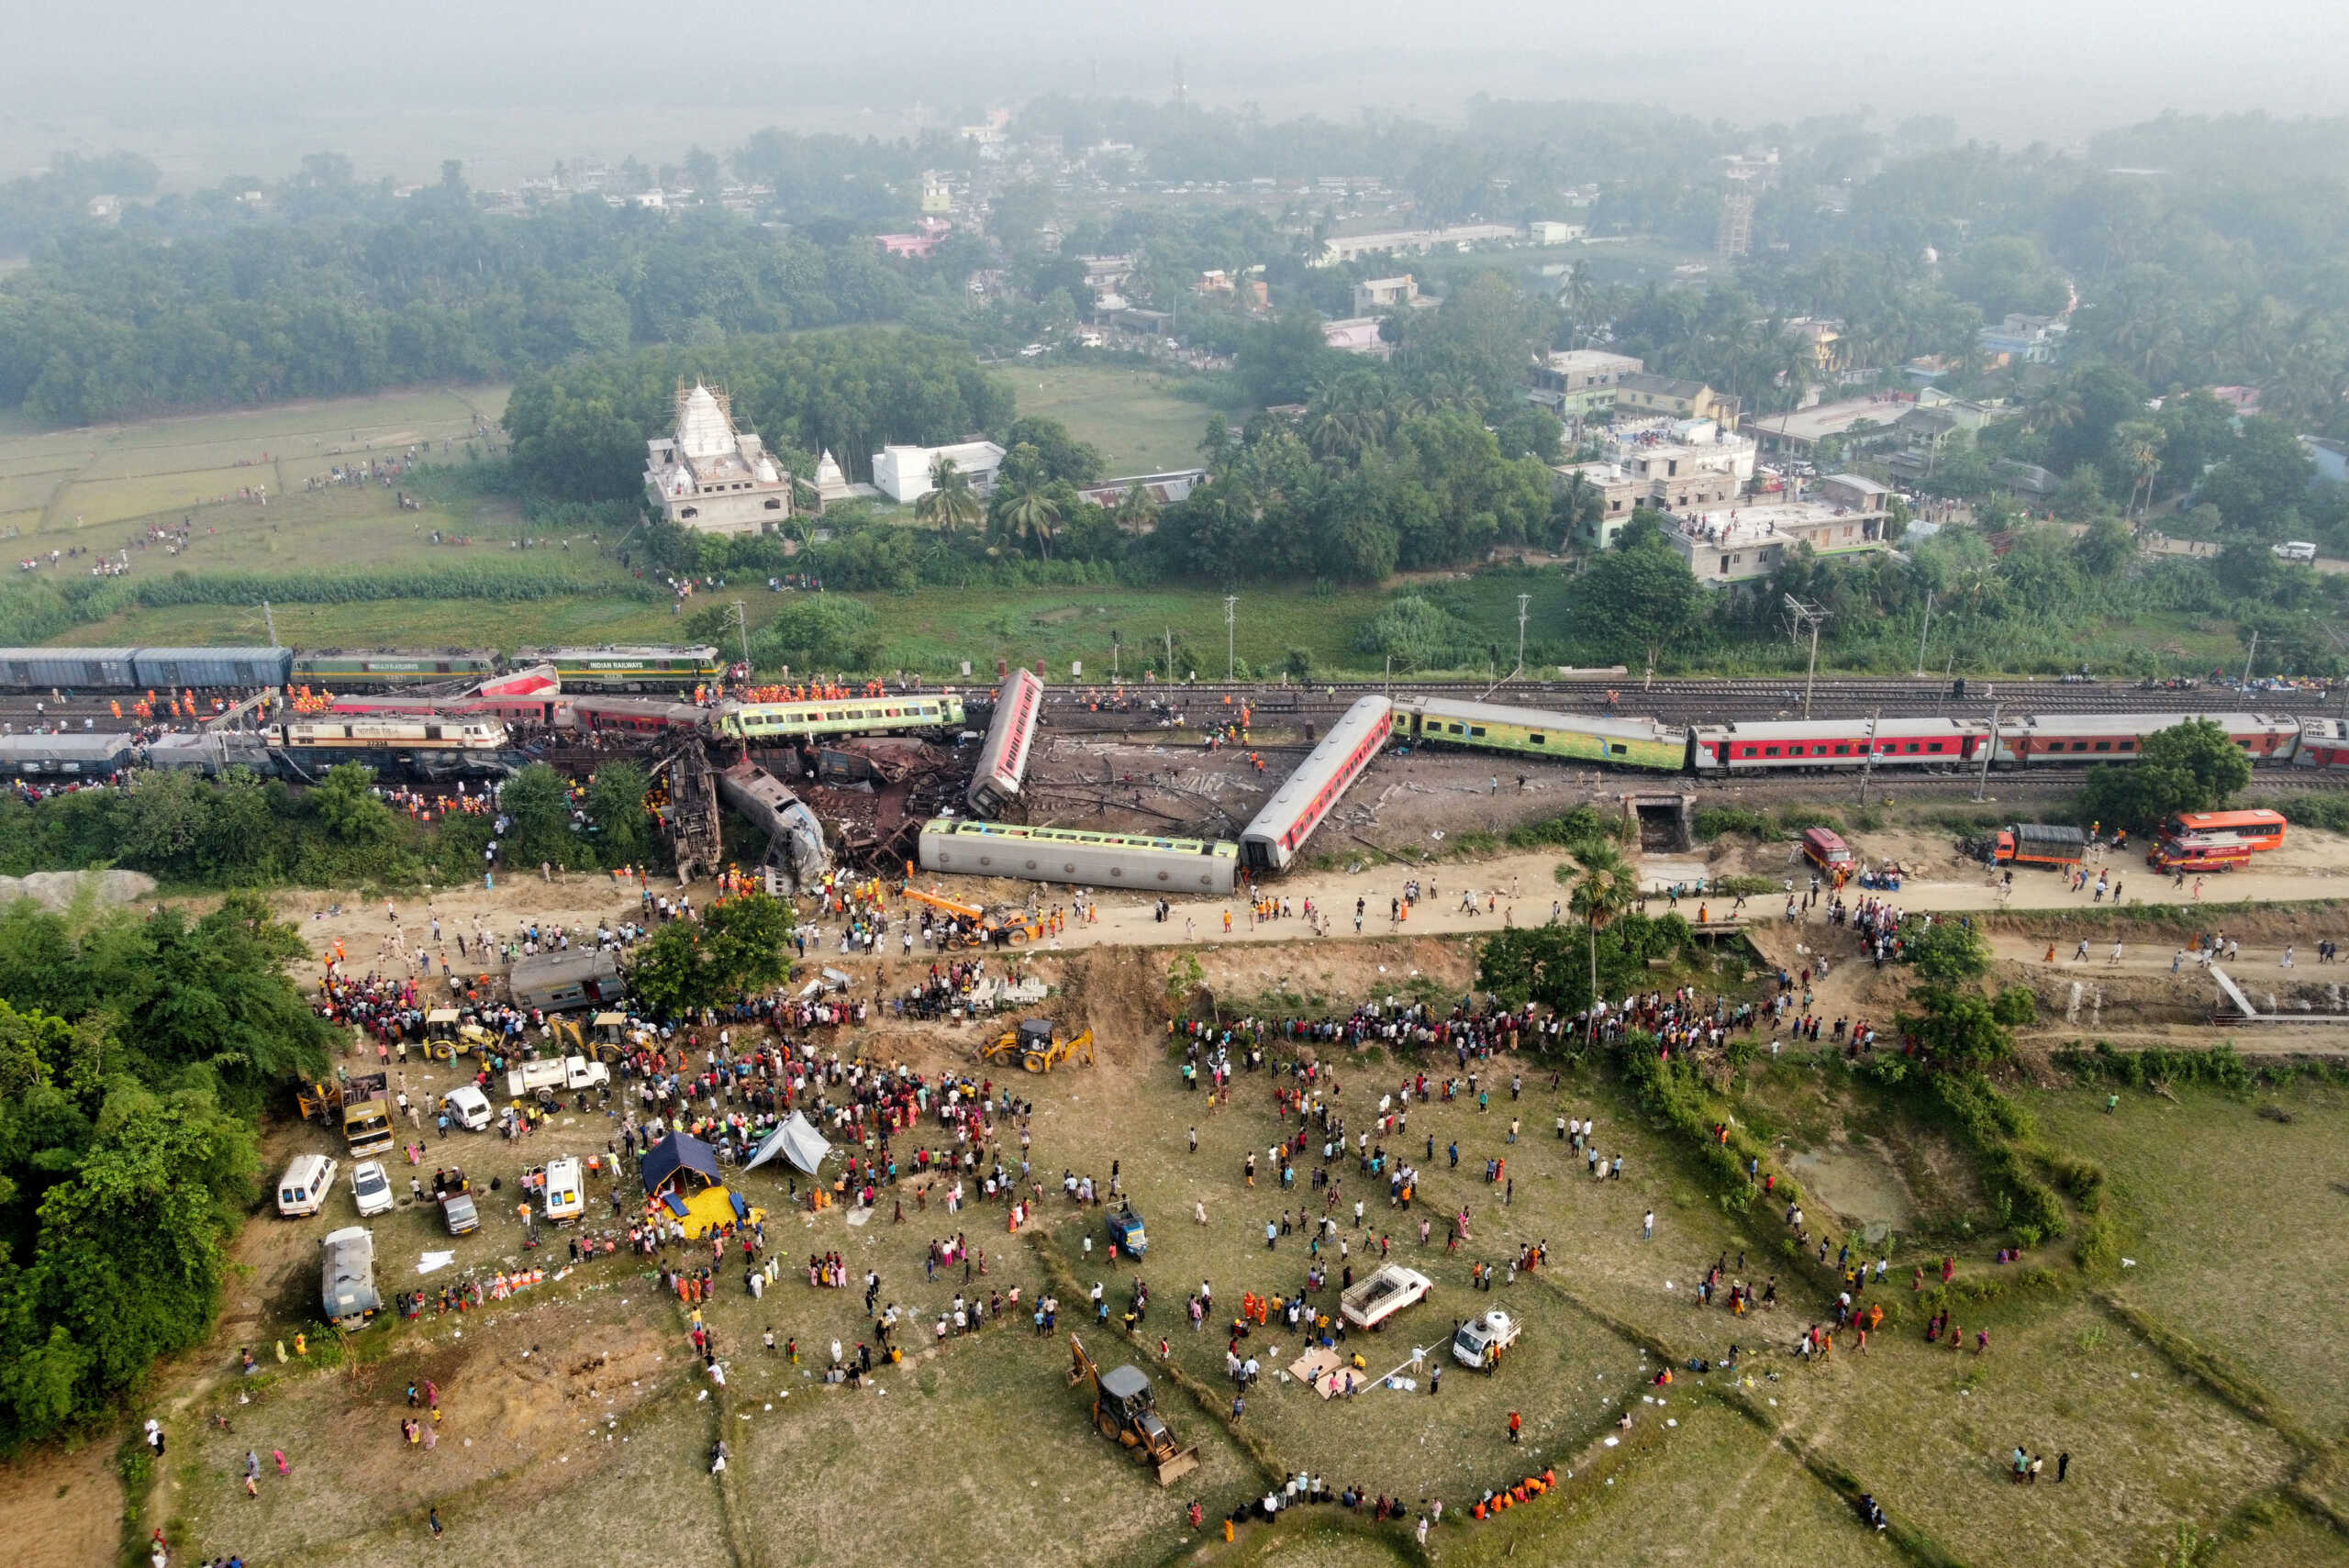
column 2190, row 766
column 110, row 322
column 134, row 1053
column 734, row 949
column 243, row 831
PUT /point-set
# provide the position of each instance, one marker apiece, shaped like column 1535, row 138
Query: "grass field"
column 2220, row 1207
column 70, row 480
column 1138, row 421
column 587, row 1421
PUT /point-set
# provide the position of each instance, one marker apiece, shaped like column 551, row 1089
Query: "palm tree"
column 950, row 503
column 1137, row 510
column 1606, row 885
column 1579, row 295
column 1030, row 512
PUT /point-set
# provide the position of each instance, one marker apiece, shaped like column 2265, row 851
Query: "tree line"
column 244, row 831
column 104, row 323
column 135, row 1052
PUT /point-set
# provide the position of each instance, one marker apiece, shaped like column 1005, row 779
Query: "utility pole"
column 1868, row 768
column 1813, row 616
column 2251, row 657
column 1170, row 653
column 1925, row 633
column 742, row 630
column 1989, row 750
column 1115, row 643
column 1231, row 637
column 1522, row 601
column 269, row 617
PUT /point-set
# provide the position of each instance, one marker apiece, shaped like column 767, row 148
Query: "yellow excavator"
column 1036, row 1046
column 1124, row 1409
column 974, row 927
column 445, row 1036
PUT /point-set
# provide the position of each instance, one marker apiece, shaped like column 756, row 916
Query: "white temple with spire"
column 711, row 476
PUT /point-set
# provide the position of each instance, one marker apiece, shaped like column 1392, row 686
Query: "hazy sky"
column 202, row 85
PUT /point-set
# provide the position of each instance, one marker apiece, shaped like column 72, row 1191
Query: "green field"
column 55, row 483
column 1138, row 421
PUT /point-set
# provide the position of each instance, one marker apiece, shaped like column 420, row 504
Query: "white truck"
column 1388, row 1291
column 1479, row 1342
column 527, row 1078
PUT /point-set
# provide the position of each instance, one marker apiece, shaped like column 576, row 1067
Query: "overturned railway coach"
column 964, row 848
column 1003, row 756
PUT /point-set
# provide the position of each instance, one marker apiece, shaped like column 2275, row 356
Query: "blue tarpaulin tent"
column 671, row 1165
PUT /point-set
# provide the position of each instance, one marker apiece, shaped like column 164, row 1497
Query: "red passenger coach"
column 2069, row 739
column 2323, row 744
column 1835, row 744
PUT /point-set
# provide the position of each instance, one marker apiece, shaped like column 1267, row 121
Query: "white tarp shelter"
column 796, row 1142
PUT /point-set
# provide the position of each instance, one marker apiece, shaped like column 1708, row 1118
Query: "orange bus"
column 2259, row 830
column 2188, row 855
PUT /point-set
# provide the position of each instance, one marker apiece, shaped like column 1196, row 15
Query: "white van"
column 565, row 1193
column 2294, row 550
column 304, row 1188
column 467, row 1106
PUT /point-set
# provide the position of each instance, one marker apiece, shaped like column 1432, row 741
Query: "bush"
column 819, row 631
column 1722, row 821
column 2097, row 1247
column 2016, row 1006
column 1582, row 824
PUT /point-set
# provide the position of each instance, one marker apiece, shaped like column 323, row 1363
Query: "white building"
column 902, row 473
column 711, row 477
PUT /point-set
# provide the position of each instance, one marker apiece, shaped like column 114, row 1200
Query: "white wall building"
column 902, row 473
column 712, row 477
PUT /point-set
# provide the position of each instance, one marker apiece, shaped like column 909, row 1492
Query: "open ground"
column 2189, row 1387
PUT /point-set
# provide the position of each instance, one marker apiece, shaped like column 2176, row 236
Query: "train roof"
column 610, row 650
column 958, row 824
column 27, row 654
column 1847, row 729
column 88, row 747
column 186, row 654
column 1614, row 726
column 2136, row 723
column 397, row 652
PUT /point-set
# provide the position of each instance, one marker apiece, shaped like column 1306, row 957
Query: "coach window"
column 2104, row 745
column 2125, row 746
column 1536, row 741
column 1476, row 730
column 1769, row 751
column 1913, row 746
column 1612, row 750
column 1843, row 749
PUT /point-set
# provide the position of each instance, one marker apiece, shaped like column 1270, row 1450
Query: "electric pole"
column 1868, row 768
column 742, row 630
column 1522, row 601
column 1924, row 634
column 1989, row 750
column 1231, row 637
column 1813, row 616
column 269, row 617
column 2252, row 657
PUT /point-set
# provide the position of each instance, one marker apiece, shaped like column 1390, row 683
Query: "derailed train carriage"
column 1147, row 862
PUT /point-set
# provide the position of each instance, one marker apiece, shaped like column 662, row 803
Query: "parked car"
column 304, row 1188
column 371, row 1188
column 468, row 1108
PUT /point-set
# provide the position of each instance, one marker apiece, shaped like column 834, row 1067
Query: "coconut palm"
column 1030, row 513
column 950, row 503
column 1605, row 885
column 1137, row 511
